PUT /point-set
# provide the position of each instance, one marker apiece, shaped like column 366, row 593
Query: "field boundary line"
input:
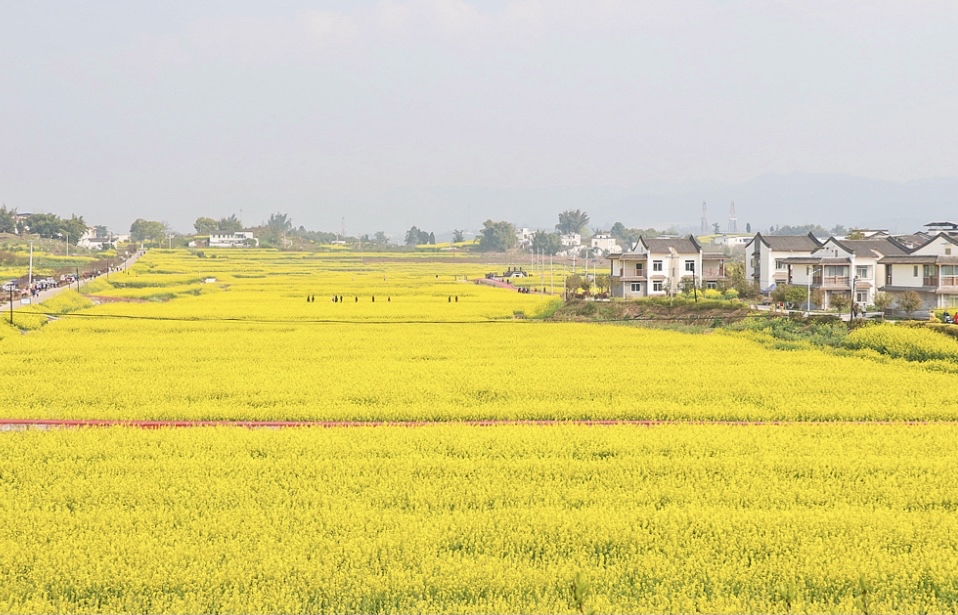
column 46, row 424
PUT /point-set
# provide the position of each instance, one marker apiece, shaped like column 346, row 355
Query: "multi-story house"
column 604, row 243
column 931, row 270
column 850, row 267
column 712, row 272
column 656, row 267
column 524, row 237
column 765, row 257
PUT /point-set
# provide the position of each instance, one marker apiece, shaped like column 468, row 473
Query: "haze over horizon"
column 441, row 114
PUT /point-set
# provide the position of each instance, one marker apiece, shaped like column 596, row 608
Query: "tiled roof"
column 791, row 243
column 682, row 245
column 872, row 247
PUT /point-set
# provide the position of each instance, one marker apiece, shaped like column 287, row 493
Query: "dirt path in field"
column 48, row 424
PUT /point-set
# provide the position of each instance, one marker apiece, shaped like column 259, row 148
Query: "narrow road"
column 52, row 292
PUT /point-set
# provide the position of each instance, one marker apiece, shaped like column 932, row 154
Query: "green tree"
column 229, row 225
column 572, row 221
column 205, row 226
column 381, row 239
column 882, row 302
column 416, row 236
column 791, row 295
column 546, row 243
column 840, row 301
column 602, row 283
column 45, row 225
column 8, row 220
column 279, row 223
column 458, row 236
column 909, row 301
column 497, row 236
column 148, row 231
column 738, row 280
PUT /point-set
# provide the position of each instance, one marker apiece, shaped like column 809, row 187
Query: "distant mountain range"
column 794, row 199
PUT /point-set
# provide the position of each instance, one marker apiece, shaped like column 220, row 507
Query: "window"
column 861, row 296
column 636, row 287
column 780, row 264
column 711, row 285
column 638, row 269
column 690, row 266
column 947, row 251
column 657, row 286
column 863, row 272
column 656, row 265
column 915, row 271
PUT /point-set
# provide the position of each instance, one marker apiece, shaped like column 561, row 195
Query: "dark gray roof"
column 915, row 259
column 872, row 247
column 682, row 245
column 791, row 243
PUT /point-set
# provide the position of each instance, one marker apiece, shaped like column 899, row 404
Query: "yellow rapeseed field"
column 812, row 514
column 432, row 346
column 725, row 519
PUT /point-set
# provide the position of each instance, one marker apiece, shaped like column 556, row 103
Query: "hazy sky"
column 386, row 113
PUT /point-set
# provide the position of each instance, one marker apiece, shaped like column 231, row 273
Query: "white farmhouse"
column 849, row 267
column 765, row 257
column 524, row 237
column 604, row 243
column 931, row 270
column 240, row 239
column 656, row 267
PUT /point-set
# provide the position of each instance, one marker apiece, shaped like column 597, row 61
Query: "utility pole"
column 695, row 290
column 552, row 284
column 11, row 305
column 30, row 276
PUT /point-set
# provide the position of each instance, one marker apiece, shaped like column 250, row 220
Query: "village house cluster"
column 858, row 268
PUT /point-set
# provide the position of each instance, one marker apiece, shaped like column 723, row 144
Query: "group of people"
column 339, row 299
column 949, row 318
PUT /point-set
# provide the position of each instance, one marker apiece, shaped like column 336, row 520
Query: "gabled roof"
column 788, row 243
column 872, row 247
column 664, row 245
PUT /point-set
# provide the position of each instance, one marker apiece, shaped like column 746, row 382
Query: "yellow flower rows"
column 905, row 342
column 250, row 346
column 832, row 519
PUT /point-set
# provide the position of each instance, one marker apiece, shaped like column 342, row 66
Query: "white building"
column 931, row 270
column 656, row 267
column 524, row 237
column 571, row 240
column 765, row 257
column 604, row 243
column 849, row 267
column 732, row 240
column 240, row 239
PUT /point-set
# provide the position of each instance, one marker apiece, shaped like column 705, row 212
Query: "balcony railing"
column 930, row 280
column 949, row 280
column 834, row 280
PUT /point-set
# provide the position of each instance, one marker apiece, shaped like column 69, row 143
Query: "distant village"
column 858, row 269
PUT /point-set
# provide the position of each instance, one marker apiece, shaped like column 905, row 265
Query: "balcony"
column 950, row 281
column 831, row 281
